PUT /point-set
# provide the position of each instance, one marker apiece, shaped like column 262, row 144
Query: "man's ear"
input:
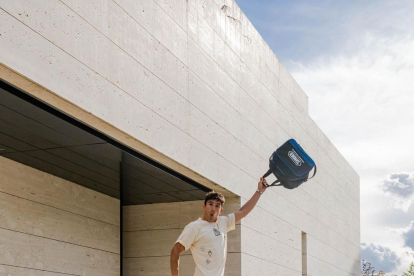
column 222, row 209
column 204, row 206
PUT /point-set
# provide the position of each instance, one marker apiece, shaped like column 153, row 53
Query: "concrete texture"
column 193, row 85
column 49, row 226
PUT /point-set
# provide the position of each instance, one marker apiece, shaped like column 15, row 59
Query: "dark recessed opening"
column 42, row 137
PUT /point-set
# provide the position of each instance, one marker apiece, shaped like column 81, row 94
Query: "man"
column 207, row 236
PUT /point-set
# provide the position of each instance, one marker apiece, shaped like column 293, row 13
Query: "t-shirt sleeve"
column 231, row 222
column 187, row 237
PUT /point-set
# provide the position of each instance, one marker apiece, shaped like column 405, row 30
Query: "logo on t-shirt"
column 216, row 232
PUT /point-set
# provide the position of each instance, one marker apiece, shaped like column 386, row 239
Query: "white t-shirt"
column 208, row 244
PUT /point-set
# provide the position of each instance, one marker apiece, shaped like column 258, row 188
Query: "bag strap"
column 268, row 173
column 314, row 172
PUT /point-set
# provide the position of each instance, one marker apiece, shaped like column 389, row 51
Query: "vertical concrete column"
column 304, row 255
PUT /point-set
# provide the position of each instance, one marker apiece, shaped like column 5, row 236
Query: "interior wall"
column 150, row 232
column 50, row 226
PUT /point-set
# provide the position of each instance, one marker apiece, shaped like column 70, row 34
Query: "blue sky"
column 355, row 61
column 306, row 30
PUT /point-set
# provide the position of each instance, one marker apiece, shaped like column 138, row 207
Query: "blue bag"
column 291, row 165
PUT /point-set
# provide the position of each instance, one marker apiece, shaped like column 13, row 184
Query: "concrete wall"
column 197, row 88
column 49, row 226
column 150, row 232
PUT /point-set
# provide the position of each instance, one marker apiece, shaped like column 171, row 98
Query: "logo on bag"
column 295, row 158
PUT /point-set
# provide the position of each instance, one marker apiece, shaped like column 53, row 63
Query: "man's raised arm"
column 177, row 249
column 246, row 208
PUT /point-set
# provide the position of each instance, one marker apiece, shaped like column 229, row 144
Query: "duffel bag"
column 291, row 165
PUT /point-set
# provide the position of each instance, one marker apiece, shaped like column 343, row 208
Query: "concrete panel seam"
column 294, row 247
column 123, row 50
column 334, row 265
column 282, row 266
column 295, row 227
column 37, row 269
column 152, row 229
column 265, row 234
column 337, row 201
column 309, row 215
column 244, row 91
column 251, row 71
column 300, row 229
column 60, row 209
column 270, row 140
column 59, row 241
column 231, row 48
column 138, row 24
column 161, row 256
column 270, row 262
column 356, row 202
column 160, row 8
column 314, row 218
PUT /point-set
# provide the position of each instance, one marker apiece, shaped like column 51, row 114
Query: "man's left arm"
column 249, row 205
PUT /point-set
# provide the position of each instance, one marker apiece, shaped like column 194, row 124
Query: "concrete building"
column 116, row 116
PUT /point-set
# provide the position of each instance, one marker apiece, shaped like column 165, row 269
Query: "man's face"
column 212, row 210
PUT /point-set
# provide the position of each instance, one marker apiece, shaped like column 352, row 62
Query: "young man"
column 207, row 236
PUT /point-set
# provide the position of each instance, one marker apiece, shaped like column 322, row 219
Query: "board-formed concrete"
column 50, row 226
column 196, row 86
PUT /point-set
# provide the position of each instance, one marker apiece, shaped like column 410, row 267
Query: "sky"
column 355, row 61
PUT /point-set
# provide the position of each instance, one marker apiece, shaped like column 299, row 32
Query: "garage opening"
column 80, row 201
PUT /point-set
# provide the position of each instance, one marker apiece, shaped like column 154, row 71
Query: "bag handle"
column 275, row 182
column 278, row 181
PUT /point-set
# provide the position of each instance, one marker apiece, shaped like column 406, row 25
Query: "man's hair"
column 214, row 196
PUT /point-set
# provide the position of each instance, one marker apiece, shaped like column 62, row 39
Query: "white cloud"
column 408, row 236
column 364, row 103
column 407, row 241
column 400, row 186
column 380, row 257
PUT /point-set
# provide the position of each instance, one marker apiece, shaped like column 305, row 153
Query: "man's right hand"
column 175, row 258
column 262, row 185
